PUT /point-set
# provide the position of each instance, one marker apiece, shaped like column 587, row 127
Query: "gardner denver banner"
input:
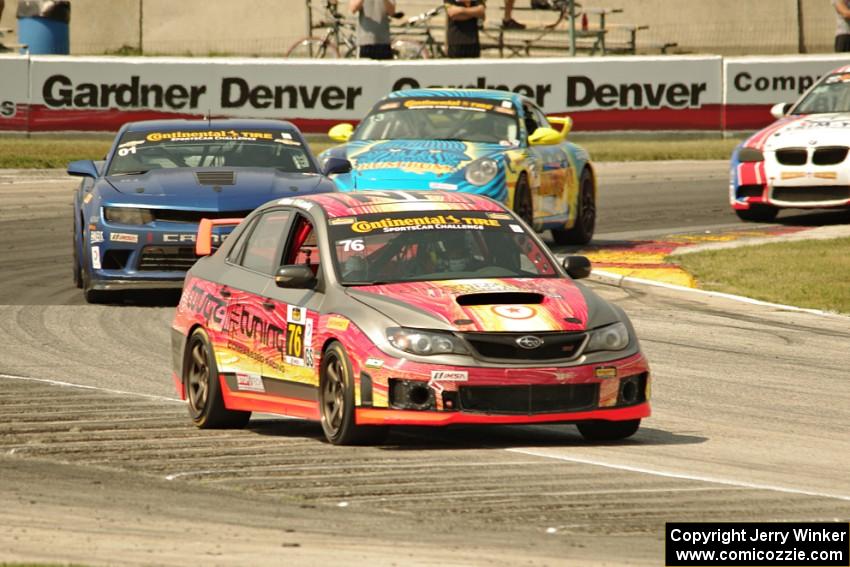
column 611, row 93
column 614, row 93
column 85, row 93
column 14, row 92
column 625, row 93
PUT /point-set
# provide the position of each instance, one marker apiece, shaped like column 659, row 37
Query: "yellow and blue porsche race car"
column 487, row 142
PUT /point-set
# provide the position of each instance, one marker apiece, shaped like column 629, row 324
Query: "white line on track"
column 85, row 387
column 684, row 476
column 620, row 279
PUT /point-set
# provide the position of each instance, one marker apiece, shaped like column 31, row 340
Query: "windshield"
column 466, row 119
column 831, row 95
column 139, row 152
column 440, row 245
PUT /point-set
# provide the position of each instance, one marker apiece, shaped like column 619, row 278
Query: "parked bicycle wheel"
column 407, row 49
column 312, row 48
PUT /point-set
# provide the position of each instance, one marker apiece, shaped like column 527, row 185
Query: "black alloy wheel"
column 336, row 398
column 582, row 230
column 200, row 378
column 523, row 205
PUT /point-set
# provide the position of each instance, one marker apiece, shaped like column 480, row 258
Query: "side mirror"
column 83, row 168
column 295, row 276
column 565, row 121
column 336, row 165
column 780, row 109
column 577, row 267
column 341, row 132
column 544, row 137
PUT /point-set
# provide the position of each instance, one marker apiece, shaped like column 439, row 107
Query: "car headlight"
column 481, row 171
column 425, row 343
column 750, row 155
column 127, row 215
column 612, row 337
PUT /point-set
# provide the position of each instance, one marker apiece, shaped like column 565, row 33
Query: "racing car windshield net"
column 831, row 95
column 465, row 119
column 140, row 152
column 434, row 245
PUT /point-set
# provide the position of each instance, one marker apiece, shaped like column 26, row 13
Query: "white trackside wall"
column 702, row 93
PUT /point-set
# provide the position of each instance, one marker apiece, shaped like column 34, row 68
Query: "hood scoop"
column 501, row 298
column 216, row 178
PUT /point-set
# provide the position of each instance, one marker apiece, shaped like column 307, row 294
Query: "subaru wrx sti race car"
column 800, row 161
column 401, row 308
column 136, row 214
column 487, row 142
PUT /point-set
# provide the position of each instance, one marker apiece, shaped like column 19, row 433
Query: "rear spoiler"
column 203, row 243
column 565, row 121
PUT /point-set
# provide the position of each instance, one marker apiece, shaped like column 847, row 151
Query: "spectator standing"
column 373, row 27
column 509, row 23
column 462, row 31
column 842, row 30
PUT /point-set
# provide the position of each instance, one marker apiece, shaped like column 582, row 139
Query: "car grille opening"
column 505, row 346
column 216, row 177
column 792, row 156
column 115, row 259
column 171, row 215
column 531, row 399
column 812, row 194
column 750, row 191
column 829, row 156
column 167, row 258
column 501, row 298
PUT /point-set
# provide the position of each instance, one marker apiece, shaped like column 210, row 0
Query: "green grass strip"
column 809, row 273
column 34, row 153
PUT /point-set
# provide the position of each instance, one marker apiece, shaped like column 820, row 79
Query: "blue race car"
column 136, row 214
column 487, row 142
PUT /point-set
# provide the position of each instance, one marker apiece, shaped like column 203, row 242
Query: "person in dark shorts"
column 462, row 31
column 373, row 27
column 842, row 30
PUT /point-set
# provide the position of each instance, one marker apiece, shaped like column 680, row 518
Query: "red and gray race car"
column 380, row 308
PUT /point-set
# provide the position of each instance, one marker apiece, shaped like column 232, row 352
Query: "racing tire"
column 523, row 205
column 94, row 296
column 758, row 213
column 76, row 268
column 336, row 401
column 608, row 430
column 582, row 230
column 312, row 48
column 203, row 388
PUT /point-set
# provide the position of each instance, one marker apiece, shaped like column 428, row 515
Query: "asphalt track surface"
column 101, row 466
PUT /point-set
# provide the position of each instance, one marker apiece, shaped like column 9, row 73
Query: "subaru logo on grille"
column 529, row 342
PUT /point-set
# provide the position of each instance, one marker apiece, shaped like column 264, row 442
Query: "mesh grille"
column 216, row 177
column 829, row 156
column 167, row 259
column 750, row 190
column 195, row 216
column 811, row 194
column 792, row 156
column 528, row 399
column 504, row 346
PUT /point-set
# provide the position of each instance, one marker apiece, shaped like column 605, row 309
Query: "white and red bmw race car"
column 799, row 161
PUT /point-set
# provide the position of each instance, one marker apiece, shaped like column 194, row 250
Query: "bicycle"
column 339, row 40
column 429, row 47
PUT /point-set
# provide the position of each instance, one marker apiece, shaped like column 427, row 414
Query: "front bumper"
column 371, row 416
column 800, row 187
column 409, row 393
